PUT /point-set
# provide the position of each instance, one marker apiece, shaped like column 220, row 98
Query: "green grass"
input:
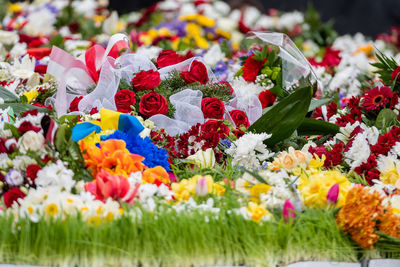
column 172, row 239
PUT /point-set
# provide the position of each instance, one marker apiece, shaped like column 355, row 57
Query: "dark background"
column 350, row 16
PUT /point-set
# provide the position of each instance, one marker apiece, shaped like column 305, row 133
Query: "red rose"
column 266, row 98
column 43, row 106
column 73, row 106
column 124, row 99
column 395, row 73
column 93, row 111
column 197, row 73
column 239, row 118
column 153, row 103
column 31, row 171
column 12, row 195
column 212, row 108
column 27, row 126
column 217, row 127
column 3, row 148
column 146, row 80
column 251, row 68
column 168, row 58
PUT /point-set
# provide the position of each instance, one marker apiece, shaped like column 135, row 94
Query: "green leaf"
column 61, row 141
column 57, row 40
column 317, row 127
column 13, row 129
column 8, row 95
column 386, row 118
column 285, row 117
column 20, row 107
column 315, row 103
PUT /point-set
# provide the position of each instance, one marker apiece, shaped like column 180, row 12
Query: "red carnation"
column 73, row 106
column 168, row 58
column 13, row 195
column 239, row 118
column 31, row 171
column 215, row 127
column 153, row 103
column 251, row 68
column 212, row 108
column 197, row 73
column 395, row 73
column 266, row 98
column 124, row 99
column 33, row 112
column 146, row 80
column 27, row 126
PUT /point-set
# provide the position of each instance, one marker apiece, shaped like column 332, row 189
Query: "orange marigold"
column 359, row 214
column 389, row 223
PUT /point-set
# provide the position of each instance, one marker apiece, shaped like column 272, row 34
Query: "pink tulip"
column 288, row 211
column 333, row 194
column 107, row 185
column 201, row 187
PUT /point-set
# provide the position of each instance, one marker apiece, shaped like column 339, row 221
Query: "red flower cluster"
column 197, row 73
column 331, row 58
column 124, row 99
column 251, row 68
column 266, row 98
column 153, row 103
column 169, row 57
column 212, row 108
column 377, row 98
column 333, row 157
column 146, row 80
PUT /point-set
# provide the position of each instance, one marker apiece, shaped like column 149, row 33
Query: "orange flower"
column 359, row 214
column 389, row 223
column 113, row 157
column 156, row 173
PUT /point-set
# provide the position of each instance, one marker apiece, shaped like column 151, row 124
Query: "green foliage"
column 7, row 95
column 321, row 33
column 386, row 119
column 21, row 107
column 285, row 117
column 316, row 127
column 315, row 103
column 176, row 239
column 69, row 150
column 386, row 65
column 57, row 40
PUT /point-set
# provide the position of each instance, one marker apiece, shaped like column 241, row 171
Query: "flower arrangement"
column 185, row 134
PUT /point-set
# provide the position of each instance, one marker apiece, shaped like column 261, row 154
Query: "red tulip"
column 288, row 211
column 333, row 194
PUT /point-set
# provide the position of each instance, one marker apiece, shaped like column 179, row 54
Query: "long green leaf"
column 317, row 127
column 7, row 95
column 315, row 103
column 284, row 118
column 21, row 107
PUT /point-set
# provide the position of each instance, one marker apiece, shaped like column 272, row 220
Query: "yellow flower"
column 205, row 21
column 99, row 18
column 188, row 17
column 317, row 162
column 314, row 187
column 389, row 177
column 257, row 211
column 13, row 8
column 193, row 30
column 31, row 95
column 187, row 187
column 52, row 209
column 94, row 220
column 164, row 32
column 225, row 34
column 258, row 189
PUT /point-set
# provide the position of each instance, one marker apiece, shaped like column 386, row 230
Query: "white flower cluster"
column 56, row 203
column 249, row 150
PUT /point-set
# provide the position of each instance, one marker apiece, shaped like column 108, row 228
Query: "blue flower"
column 153, row 155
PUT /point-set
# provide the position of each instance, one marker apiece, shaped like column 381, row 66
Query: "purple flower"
column 14, row 177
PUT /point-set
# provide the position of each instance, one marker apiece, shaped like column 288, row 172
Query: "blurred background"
column 369, row 17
